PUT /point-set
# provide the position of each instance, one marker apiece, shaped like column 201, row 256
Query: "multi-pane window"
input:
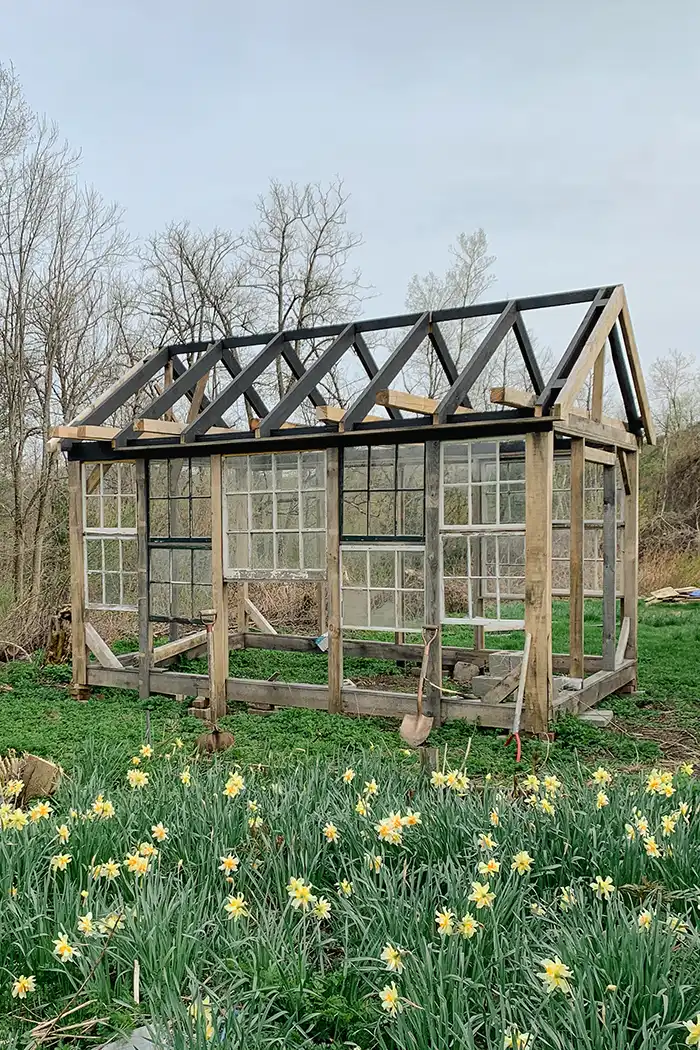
column 180, row 583
column 383, row 587
column 109, row 509
column 383, row 492
column 483, row 483
column 275, row 515
column 179, row 499
column 593, row 527
column 481, row 573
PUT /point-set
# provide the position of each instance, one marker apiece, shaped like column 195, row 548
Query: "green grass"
column 38, row 714
column 279, row 978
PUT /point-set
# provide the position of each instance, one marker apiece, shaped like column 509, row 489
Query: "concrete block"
column 464, row 672
column 598, row 716
column 503, row 661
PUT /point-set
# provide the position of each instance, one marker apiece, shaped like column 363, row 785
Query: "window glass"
column 109, row 509
column 383, row 587
column 383, row 492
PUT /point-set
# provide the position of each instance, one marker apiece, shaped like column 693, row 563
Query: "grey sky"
column 569, row 131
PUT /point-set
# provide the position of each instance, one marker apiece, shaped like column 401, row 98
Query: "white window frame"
column 470, row 485
column 233, row 572
column 471, row 619
column 102, row 532
column 385, row 548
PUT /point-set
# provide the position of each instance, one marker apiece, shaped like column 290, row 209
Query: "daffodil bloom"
column 348, row 776
column 445, row 922
column 467, row 926
column 642, row 825
column 461, row 783
column 537, row 909
column 393, row 957
column 322, row 909
column 13, row 891
column 40, row 811
column 361, row 807
column 388, row 832
column 531, row 782
column 602, row 777
column 255, row 822
column 85, row 894
column 63, row 949
column 486, row 842
column 236, row 907
column 552, row 784
column 603, row 887
column 532, row 800
column 300, row 894
column 371, row 788
column 22, row 986
column 667, row 790
column 452, row 778
column 110, row 870
column 567, row 898
column 111, row 923
column 684, row 809
column 630, row 832
column 108, row 809
column 668, row 824
column 438, row 779
column 186, row 776
column 391, row 1002
column 546, row 806
column 137, row 778
column 522, row 862
column 677, row 925
column 135, row 761
column 136, row 863
column 653, row 782
column 602, row 800
column 18, row 820
column 13, row 788
column 330, row 832
column 481, row 895
column 146, row 751
column 63, row 832
column 374, row 862
column 61, row 861
column 693, row 1036
column 147, row 849
column 86, row 926
column 687, row 769
column 645, row 919
column 252, row 805
column 178, row 743
column 411, row 819
column 555, row 975
column 494, row 817
column 489, row 867
column 229, row 864
column 159, row 832
column 515, row 1040
column 234, row 785
column 651, row 847
column 345, row 887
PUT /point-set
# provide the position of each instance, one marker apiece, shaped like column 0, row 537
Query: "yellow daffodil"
column 642, row 824
column 111, row 923
column 22, row 986
column 645, row 919
column 159, row 832
column 186, row 776
column 63, row 832
column 137, row 778
column 537, row 909
column 687, row 769
column 411, row 819
column 391, row 1003
column 147, row 849
column 531, row 782
column 63, row 949
column 136, row 863
column 602, row 777
column 522, row 862
column 60, row 861
column 374, row 862
column 13, row 788
column 684, row 810
column 651, row 847
column 546, row 806
column 348, row 776
column 602, row 800
column 330, row 832
column 567, row 898
column 603, row 887
column 300, row 894
column 252, row 805
column 345, row 888
column 236, row 907
column 515, row 1040
column 146, row 751
column 40, row 811
column 555, row 975
column 481, row 895
column 494, row 818
column 489, row 867
column 86, row 926
column 630, row 832
column 552, row 784
column 371, row 788
column 438, row 779
column 388, row 832
column 361, row 807
column 322, row 909
column 653, row 782
column 693, row 1036
column 110, row 870
column 668, row 824
column 393, row 957
column 487, row 843
column 677, row 925
column 234, row 785
column 229, row 864
column 445, row 922
column 18, row 820
column 135, row 760
column 467, row 926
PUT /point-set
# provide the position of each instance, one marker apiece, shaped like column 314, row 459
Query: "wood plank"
column 600, row 433
column 636, row 370
column 197, row 397
column 598, row 387
column 589, row 352
column 335, row 414
column 170, row 650
column 241, row 611
column 596, row 688
column 335, row 622
column 218, row 669
column 630, row 558
column 411, row 402
column 255, row 426
column 144, row 669
column 621, row 649
column 511, row 396
column 84, row 433
column 576, row 544
column 600, row 455
column 433, row 581
column 609, row 566
column 622, row 461
column 608, row 421
column 173, row 427
column 99, row 648
column 257, row 617
column 503, row 689
column 127, row 385
column 539, row 460
column 77, row 573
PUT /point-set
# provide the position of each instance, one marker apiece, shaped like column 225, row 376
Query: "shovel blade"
column 415, row 729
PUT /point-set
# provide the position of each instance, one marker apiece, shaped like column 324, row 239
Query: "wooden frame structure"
column 543, row 421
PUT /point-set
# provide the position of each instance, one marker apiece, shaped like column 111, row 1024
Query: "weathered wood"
column 77, row 574
column 511, row 396
column 241, row 611
column 608, row 421
column 197, row 397
column 598, row 387
column 636, row 370
column 84, row 433
column 335, row 626
column 411, row 402
column 600, row 433
column 589, row 353
column 257, row 617
column 609, row 559
column 433, row 581
column 173, row 427
column 539, row 459
column 142, row 579
column 596, row 688
column 621, row 648
column 622, row 462
column 219, row 641
column 630, row 559
column 600, row 455
column 335, row 414
column 170, row 650
column 99, row 648
column 503, row 689
column 576, row 541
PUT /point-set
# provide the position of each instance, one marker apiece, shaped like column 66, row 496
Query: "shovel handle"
column 424, row 667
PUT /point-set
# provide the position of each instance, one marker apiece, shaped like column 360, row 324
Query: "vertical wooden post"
column 609, row 558
column 241, row 611
column 77, row 579
column 433, row 580
column 142, row 579
column 539, row 462
column 335, row 627
column 218, row 671
column 576, row 540
column 598, row 387
column 630, row 566
column 322, row 607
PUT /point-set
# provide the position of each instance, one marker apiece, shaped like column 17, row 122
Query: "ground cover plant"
column 366, row 905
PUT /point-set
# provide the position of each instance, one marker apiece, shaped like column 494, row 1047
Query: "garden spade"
column 415, row 729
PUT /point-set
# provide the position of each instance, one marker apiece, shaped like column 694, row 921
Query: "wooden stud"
column 219, row 645
column 77, row 574
column 621, row 647
column 508, row 395
column 99, row 648
column 576, row 539
column 257, row 617
column 197, row 397
column 433, row 596
column 412, row 403
column 539, row 461
column 322, row 607
column 598, row 387
column 241, row 610
column 600, row 455
column 589, row 352
column 162, row 653
column 335, row 628
column 335, row 414
column 598, row 433
column 142, row 579
column 609, row 559
column 630, row 562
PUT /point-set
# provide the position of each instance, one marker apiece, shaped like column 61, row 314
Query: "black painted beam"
column 522, row 338
column 619, row 361
column 120, row 392
column 566, row 362
column 444, row 356
column 371, row 367
column 477, row 363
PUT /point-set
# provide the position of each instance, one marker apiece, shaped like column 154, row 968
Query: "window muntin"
column 109, row 536
column 275, row 515
column 481, row 573
column 383, row 493
column 180, row 584
column 179, row 499
column 383, row 587
column 483, row 484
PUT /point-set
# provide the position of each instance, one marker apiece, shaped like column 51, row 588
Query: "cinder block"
column 503, row 661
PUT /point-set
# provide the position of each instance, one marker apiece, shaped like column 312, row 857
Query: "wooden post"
column 433, row 604
column 322, row 607
column 630, row 578
column 218, row 671
column 576, row 540
column 241, row 610
column 77, row 580
column 335, row 627
column 142, row 579
column 539, row 459
column 609, row 558
column 598, row 387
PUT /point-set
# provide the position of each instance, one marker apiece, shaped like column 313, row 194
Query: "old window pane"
column 288, row 550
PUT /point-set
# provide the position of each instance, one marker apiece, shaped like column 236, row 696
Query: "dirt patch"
column 677, row 745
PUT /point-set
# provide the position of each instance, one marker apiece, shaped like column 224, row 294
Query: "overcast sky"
column 569, row 131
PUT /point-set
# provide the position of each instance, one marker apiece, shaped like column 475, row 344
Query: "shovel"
column 415, row 729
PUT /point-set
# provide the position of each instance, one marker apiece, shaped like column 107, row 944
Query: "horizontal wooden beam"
column 255, row 425
column 173, row 426
column 335, row 414
column 596, row 688
column 599, row 455
column 411, row 402
column 165, row 652
column 84, row 433
column 509, row 395
column 608, row 421
column 598, row 433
